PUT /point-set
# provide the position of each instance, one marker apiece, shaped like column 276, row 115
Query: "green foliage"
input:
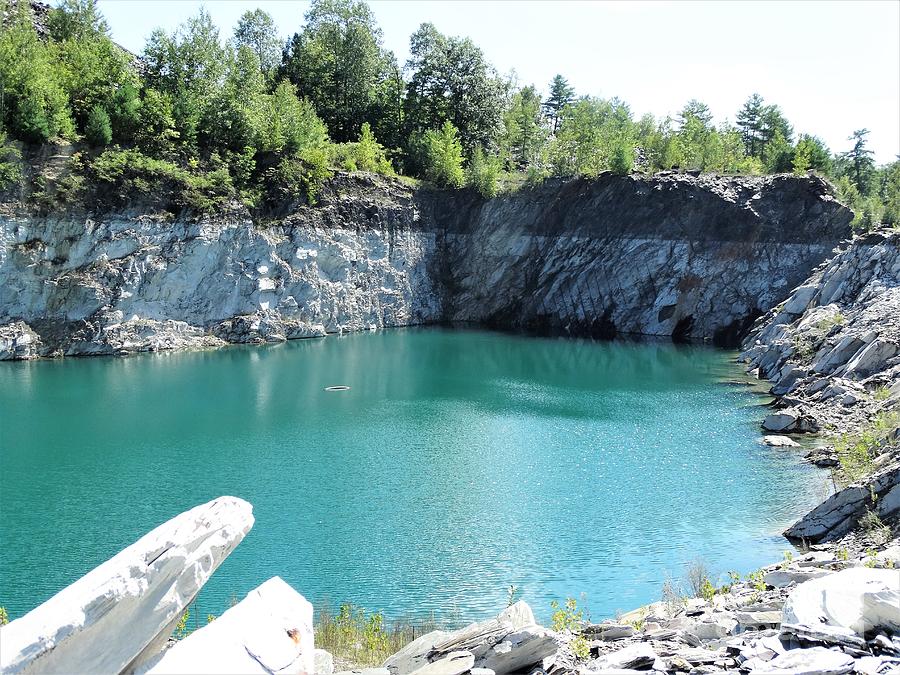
column 482, row 173
column 98, row 130
column 591, row 134
column 4, row 617
column 561, row 95
column 337, row 63
column 856, row 452
column 361, row 637
column 698, row 579
column 512, row 591
column 181, row 630
column 257, row 32
column 10, row 163
column 524, row 137
column 453, row 82
column 366, row 154
column 882, row 393
column 35, row 106
column 876, row 530
column 296, row 178
column 842, row 554
column 441, row 156
column 290, row 124
column 566, row 617
column 119, row 175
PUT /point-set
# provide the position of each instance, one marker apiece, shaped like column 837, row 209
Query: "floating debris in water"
column 338, row 387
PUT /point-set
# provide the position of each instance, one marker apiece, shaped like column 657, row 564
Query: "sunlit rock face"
column 670, row 255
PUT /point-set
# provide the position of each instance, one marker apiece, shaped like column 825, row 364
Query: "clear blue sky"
column 832, row 66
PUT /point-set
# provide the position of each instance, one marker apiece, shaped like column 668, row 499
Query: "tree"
column 290, row 124
column 749, row 122
column 256, row 30
column 696, row 136
column 76, row 19
column 35, row 105
column 337, row 62
column 814, row 152
column 561, row 95
column 452, row 81
column 233, row 119
column 594, row 134
column 443, row 156
column 189, row 67
column 861, row 160
column 524, row 135
column 98, row 130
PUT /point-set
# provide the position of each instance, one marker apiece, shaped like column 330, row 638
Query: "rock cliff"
column 676, row 255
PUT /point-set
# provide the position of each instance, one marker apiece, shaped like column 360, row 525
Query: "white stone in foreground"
column 126, row 608
column 269, row 631
column 815, row 661
column 857, row 599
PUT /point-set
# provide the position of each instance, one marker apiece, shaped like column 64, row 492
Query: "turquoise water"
column 459, row 462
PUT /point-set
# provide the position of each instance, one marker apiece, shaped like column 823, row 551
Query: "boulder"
column 842, row 352
column 18, row 341
column 455, row 663
column 787, row 420
column 871, row 359
column 637, row 657
column 858, row 599
column 840, row 513
column 800, row 299
column 815, row 661
column 780, row 442
column 324, row 662
column 121, row 613
column 269, row 631
column 780, row 578
column 505, row 644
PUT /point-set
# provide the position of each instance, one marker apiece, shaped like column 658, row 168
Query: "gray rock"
column 858, row 599
column 120, row 614
column 788, row 420
column 637, row 656
column 815, row 661
column 454, row 663
column 324, row 662
column 18, row 342
column 871, row 359
column 780, row 442
column 780, row 578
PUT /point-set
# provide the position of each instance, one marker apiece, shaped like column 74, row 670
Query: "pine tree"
column 861, row 158
column 749, row 122
column 561, row 95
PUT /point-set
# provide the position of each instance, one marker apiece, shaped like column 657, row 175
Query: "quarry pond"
column 457, row 463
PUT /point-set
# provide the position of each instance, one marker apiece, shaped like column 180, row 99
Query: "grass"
column 874, row 528
column 352, row 634
column 857, row 452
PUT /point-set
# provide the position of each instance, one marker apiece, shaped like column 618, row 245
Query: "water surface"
column 459, row 462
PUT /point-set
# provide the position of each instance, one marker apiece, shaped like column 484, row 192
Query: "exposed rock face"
column 841, row 512
column 690, row 257
column 125, row 283
column 123, row 611
column 670, row 255
column 832, row 348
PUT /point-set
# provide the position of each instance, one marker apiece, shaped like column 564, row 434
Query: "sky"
column 832, row 66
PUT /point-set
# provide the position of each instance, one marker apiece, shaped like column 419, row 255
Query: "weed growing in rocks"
column 881, row 394
column 361, row 637
column 4, row 617
column 876, row 530
column 672, row 596
column 512, row 591
column 567, row 617
column 856, row 452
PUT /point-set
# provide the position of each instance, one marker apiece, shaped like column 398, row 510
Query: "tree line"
column 253, row 117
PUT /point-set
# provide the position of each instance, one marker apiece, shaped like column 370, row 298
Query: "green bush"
column 366, row 154
column 10, row 164
column 98, row 130
column 482, row 173
column 442, row 156
column 296, row 177
column 119, row 173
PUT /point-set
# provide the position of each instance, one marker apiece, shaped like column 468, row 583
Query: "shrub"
column 366, row 154
column 482, row 173
column 10, row 164
column 442, row 156
column 698, row 577
column 856, row 452
column 127, row 172
column 566, row 616
column 297, row 177
column 874, row 528
column 4, row 617
column 98, row 130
